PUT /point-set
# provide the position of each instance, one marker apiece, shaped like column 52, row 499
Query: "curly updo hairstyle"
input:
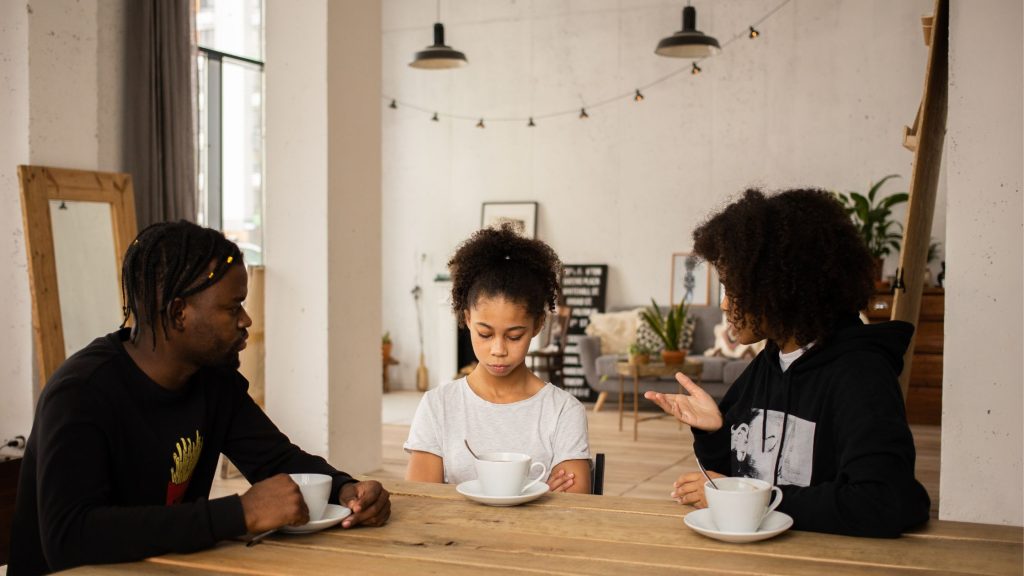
column 497, row 262
column 792, row 263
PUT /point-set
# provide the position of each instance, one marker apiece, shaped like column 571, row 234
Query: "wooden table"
column 692, row 367
column 434, row 530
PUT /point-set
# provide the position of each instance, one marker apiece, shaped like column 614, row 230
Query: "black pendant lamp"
column 688, row 42
column 438, row 56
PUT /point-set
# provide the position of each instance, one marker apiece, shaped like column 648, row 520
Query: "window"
column 229, row 138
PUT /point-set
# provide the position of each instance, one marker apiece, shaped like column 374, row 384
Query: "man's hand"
column 369, row 502
column 698, row 410
column 689, row 489
column 273, row 503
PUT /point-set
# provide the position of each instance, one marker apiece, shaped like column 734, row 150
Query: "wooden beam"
column 931, row 131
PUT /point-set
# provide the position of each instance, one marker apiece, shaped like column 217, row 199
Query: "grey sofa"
column 718, row 375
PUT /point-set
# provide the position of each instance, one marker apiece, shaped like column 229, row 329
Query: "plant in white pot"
column 669, row 329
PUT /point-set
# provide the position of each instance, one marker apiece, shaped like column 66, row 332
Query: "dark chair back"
column 597, row 475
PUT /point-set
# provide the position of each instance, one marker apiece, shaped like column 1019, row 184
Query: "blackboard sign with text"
column 584, row 287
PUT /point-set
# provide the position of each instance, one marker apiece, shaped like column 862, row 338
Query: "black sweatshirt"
column 838, row 419
column 119, row 469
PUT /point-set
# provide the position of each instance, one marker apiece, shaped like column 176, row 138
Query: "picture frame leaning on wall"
column 691, row 280
column 522, row 215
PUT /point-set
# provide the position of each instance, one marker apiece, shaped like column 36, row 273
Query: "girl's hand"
column 698, row 409
column 689, row 489
column 561, row 481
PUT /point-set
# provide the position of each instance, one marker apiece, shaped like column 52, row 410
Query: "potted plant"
column 639, row 353
column 872, row 216
column 385, row 346
column 669, row 329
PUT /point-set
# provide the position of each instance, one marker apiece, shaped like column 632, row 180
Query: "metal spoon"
column 713, row 485
column 259, row 537
column 470, row 449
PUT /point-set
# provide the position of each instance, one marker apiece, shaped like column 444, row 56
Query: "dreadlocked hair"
column 499, row 262
column 792, row 263
column 171, row 260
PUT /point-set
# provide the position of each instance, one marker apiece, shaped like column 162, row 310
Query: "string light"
column 752, row 32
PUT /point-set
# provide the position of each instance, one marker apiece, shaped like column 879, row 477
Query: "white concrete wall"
column 16, row 379
column 982, row 474
column 323, row 232
column 819, row 99
column 59, row 67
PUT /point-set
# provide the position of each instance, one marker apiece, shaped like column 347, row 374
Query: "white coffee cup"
column 316, row 490
column 740, row 504
column 506, row 473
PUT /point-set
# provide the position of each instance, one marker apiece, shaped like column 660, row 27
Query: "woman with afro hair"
column 819, row 411
column 503, row 287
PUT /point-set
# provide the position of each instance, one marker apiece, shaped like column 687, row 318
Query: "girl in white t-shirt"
column 503, row 286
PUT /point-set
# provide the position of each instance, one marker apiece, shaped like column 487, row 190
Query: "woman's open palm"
column 698, row 409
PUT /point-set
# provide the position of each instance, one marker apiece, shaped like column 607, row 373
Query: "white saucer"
column 776, row 523
column 333, row 516
column 471, row 489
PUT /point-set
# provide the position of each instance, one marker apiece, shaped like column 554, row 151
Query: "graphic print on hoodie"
column 186, row 456
column 755, row 447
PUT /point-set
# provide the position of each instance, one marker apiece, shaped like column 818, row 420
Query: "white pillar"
column 982, row 448
column 323, row 225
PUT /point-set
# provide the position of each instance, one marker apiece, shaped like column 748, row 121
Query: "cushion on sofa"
column 617, row 330
column 646, row 336
column 727, row 345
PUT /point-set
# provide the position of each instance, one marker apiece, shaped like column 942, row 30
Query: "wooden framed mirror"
column 78, row 224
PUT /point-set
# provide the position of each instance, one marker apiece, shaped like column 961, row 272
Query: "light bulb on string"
column 480, row 124
column 583, row 114
column 393, row 105
column 435, row 118
column 530, row 124
column 696, row 69
column 754, row 33
column 638, row 97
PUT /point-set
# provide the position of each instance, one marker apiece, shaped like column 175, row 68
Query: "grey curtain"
column 159, row 121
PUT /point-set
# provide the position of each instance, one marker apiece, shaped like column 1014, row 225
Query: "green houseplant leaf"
column 669, row 328
column 872, row 215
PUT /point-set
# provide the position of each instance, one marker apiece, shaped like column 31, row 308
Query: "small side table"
column 691, row 367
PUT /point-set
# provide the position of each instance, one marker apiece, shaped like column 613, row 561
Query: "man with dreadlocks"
column 128, row 430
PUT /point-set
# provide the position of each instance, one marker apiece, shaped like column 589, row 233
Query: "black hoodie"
column 838, row 419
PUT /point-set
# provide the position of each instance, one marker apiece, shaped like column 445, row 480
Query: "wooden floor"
column 642, row 469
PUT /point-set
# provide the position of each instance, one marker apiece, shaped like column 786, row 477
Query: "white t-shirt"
column 550, row 426
column 786, row 359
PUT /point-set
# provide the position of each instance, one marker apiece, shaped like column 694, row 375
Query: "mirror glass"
column 88, row 281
